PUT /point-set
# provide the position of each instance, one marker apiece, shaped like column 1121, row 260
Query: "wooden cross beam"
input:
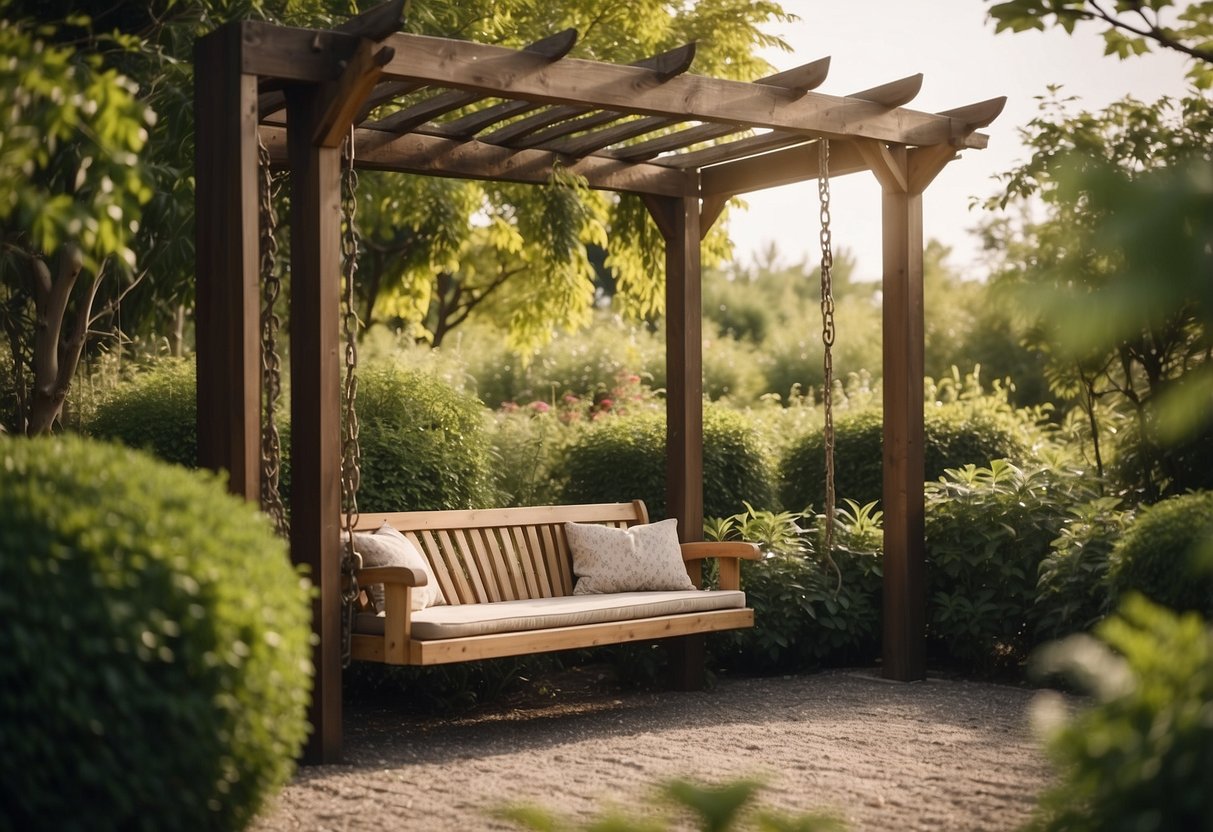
column 346, row 100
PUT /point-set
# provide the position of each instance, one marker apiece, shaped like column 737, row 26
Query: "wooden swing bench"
column 507, row 578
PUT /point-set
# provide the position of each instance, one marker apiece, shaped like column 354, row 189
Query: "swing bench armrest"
column 728, row 554
column 720, row 549
column 406, row 575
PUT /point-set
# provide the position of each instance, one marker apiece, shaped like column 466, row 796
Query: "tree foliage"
column 1115, row 276
column 438, row 251
column 72, row 190
column 1129, row 27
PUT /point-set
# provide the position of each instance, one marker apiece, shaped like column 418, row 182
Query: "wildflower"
column 540, row 407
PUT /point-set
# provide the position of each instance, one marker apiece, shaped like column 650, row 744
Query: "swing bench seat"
column 507, row 577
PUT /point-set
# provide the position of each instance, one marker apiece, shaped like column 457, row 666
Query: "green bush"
column 424, row 444
column 1072, row 591
column 806, row 611
column 987, row 532
column 156, row 666
column 956, row 435
column 156, row 411
column 1140, row 757
column 1157, row 555
column 620, row 459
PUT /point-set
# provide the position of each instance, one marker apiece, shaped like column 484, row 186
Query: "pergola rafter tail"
column 499, row 114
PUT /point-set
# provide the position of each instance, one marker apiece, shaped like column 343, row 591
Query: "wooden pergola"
column 684, row 143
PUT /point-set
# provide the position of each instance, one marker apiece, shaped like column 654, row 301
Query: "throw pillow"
column 639, row 559
column 388, row 547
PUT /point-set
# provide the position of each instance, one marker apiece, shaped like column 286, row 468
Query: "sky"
column 951, row 42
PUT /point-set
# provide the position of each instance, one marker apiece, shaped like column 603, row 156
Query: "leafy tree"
column 1130, row 27
column 1116, row 274
column 72, row 192
column 440, row 250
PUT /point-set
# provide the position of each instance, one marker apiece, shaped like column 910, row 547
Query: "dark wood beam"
column 782, row 167
column 894, row 93
column 349, row 94
column 547, row 50
column 227, row 315
column 664, row 66
column 890, row 170
column 904, row 442
column 315, row 309
column 800, row 79
column 417, row 153
column 376, row 23
column 734, row 150
column 678, row 220
column 301, row 54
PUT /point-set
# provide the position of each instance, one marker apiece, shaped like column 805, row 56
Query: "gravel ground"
column 935, row 755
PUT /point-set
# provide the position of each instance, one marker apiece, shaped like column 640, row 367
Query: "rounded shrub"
column 156, row 411
column 988, row 530
column 424, row 443
column 156, row 667
column 956, row 435
column 1157, row 555
column 623, row 458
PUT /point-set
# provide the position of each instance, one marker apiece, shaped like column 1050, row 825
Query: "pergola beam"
column 665, row 65
column 782, row 167
column 547, row 50
column 305, row 55
column 418, row 153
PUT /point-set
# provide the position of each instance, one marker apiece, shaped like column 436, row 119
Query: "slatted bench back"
column 502, row 554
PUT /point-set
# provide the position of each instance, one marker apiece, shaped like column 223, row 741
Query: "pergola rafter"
column 684, row 143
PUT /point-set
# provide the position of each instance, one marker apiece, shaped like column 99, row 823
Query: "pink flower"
column 605, row 404
column 509, row 407
column 540, row 407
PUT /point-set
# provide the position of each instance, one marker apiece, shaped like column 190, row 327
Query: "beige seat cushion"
column 461, row 620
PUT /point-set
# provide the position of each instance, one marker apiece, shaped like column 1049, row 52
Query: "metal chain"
column 351, row 453
column 827, row 332
column 271, row 362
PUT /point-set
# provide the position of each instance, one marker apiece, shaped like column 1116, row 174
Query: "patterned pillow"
column 639, row 559
column 388, row 547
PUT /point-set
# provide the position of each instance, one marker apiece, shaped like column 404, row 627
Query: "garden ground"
column 936, row 755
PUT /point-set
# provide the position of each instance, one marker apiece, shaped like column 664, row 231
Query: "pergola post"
column 678, row 220
column 904, row 550
column 315, row 308
column 226, row 312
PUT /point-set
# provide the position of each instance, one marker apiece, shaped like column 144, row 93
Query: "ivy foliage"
column 156, row 669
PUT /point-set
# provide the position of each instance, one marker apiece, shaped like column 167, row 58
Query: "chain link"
column 827, row 332
column 351, row 453
column 271, row 361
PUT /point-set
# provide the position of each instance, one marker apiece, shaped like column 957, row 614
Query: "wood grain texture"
column 904, row 551
column 227, row 316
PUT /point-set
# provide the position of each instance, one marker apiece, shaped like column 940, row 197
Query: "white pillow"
column 639, row 559
column 388, row 547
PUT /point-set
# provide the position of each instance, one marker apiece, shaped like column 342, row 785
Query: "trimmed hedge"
column 956, row 435
column 156, row 667
column 621, row 459
column 1157, row 556
column 156, row 411
column 424, row 444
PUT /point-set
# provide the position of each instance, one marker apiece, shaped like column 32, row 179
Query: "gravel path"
column 936, row 755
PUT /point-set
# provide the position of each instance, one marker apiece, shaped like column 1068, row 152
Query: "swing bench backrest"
column 502, row 554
